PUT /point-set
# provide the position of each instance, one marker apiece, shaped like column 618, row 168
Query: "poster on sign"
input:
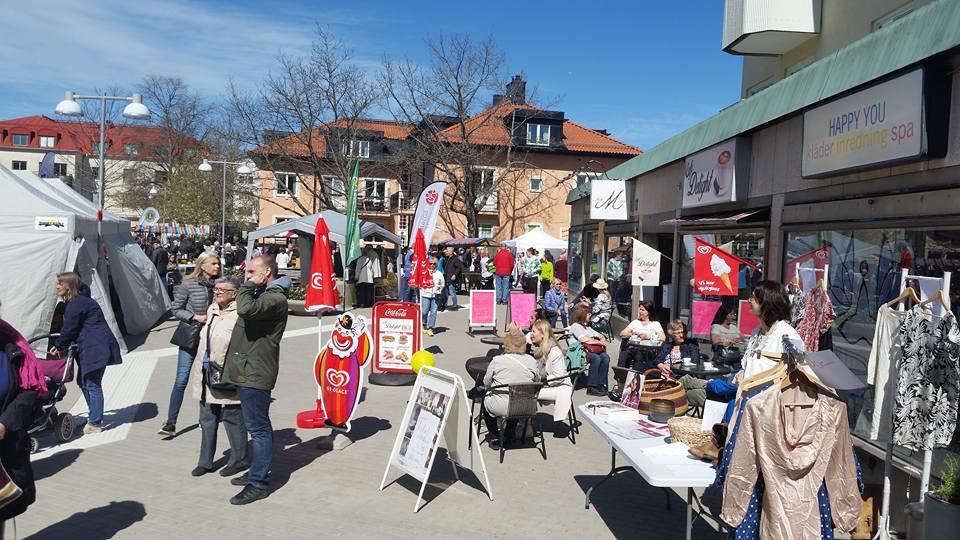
column 522, row 308
column 703, row 314
column 483, row 310
column 746, row 320
column 396, row 334
column 715, row 271
column 645, row 270
column 608, row 199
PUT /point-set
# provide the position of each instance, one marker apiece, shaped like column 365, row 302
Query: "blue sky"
column 643, row 70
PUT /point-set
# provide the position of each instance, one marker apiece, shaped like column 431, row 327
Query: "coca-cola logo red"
column 396, row 312
column 432, row 197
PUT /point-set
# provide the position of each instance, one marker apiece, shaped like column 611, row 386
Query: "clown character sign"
column 339, row 370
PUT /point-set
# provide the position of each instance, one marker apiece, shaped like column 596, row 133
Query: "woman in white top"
column 769, row 302
column 553, row 365
column 428, row 298
column 644, row 338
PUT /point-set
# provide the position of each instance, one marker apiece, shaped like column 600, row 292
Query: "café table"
column 492, row 340
column 701, row 372
column 477, row 367
column 668, row 465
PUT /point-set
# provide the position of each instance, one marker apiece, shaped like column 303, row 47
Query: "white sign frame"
column 466, row 447
column 649, row 258
column 471, row 324
column 906, row 95
column 608, row 200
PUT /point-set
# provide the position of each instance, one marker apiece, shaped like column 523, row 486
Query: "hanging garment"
column 798, row 307
column 925, row 413
column 817, row 319
column 883, row 356
column 796, row 450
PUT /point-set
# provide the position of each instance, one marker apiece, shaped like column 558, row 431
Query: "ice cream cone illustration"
column 725, row 278
column 721, row 269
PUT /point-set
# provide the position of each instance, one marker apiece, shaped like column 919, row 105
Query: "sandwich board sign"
column 437, row 412
column 483, row 309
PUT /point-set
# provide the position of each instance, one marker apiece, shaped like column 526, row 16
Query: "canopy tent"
column 304, row 226
column 49, row 228
column 536, row 239
column 172, row 228
column 469, row 242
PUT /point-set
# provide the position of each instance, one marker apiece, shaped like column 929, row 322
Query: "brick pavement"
column 140, row 487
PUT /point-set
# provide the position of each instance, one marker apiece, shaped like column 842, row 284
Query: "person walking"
column 252, row 364
column 429, row 298
column 85, row 325
column 368, row 269
column 503, row 264
column 452, row 275
column 218, row 405
column 191, row 298
column 530, row 271
column 546, row 273
column 160, row 259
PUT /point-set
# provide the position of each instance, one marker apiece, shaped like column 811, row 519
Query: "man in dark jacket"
column 452, row 274
column 253, row 363
column 160, row 259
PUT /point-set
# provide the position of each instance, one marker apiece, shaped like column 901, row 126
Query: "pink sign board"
column 745, row 320
column 483, row 308
column 703, row 314
column 522, row 308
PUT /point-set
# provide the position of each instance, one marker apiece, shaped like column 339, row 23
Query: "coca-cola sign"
column 396, row 312
column 396, row 335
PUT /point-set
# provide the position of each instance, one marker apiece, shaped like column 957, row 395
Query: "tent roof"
column 536, row 239
column 468, row 242
column 335, row 220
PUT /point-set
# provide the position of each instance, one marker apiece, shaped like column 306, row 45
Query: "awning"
column 468, row 242
column 723, row 219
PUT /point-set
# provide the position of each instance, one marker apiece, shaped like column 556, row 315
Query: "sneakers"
column 596, row 391
column 90, row 428
column 241, row 480
column 168, row 430
column 429, row 331
column 248, row 495
column 230, row 470
column 199, row 471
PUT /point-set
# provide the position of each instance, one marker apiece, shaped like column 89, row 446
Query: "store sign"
column 713, row 176
column 645, row 269
column 608, row 199
column 396, row 334
column 882, row 124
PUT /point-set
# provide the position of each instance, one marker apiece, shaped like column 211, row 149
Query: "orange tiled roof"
column 296, row 145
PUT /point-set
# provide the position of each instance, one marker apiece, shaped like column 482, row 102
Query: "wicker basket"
column 686, row 429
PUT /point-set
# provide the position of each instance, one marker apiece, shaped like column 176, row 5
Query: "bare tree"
column 307, row 118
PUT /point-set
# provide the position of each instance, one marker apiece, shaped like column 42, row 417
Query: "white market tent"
column 536, row 239
column 49, row 228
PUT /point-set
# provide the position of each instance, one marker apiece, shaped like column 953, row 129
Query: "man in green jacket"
column 252, row 364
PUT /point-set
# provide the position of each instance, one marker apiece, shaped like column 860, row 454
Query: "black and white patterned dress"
column 925, row 414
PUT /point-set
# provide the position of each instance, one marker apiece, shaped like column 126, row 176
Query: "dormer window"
column 131, row 149
column 356, row 149
column 538, row 134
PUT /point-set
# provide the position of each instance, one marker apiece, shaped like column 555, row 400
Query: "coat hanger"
column 796, row 376
column 937, row 297
column 908, row 292
column 773, row 374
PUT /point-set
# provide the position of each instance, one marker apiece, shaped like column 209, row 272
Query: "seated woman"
column 726, row 337
column 643, row 340
column 599, row 361
column 553, row 367
column 602, row 304
column 677, row 348
column 514, row 366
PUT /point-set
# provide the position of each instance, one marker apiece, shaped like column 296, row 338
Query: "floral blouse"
column 601, row 308
column 925, row 412
column 817, row 318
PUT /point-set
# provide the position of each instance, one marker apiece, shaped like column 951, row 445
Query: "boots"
column 710, row 451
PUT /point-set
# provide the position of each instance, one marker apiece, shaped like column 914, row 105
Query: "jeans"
column 502, row 285
column 184, row 363
column 404, row 286
column 255, row 404
column 92, row 392
column 451, row 290
column 428, row 310
column 599, row 366
column 211, row 416
column 553, row 315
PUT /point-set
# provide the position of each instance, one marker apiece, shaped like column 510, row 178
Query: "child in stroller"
column 58, row 371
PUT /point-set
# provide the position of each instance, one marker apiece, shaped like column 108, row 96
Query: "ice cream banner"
column 715, row 271
column 339, row 370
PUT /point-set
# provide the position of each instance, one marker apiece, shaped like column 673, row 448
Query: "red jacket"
column 503, row 262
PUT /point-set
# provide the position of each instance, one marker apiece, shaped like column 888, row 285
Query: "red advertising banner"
column 715, row 271
column 396, row 335
column 703, row 314
column 483, row 310
column 819, row 257
column 746, row 320
column 522, row 308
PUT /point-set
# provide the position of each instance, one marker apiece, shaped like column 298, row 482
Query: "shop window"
column 619, row 257
column 575, row 263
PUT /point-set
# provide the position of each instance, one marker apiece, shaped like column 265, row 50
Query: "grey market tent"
column 49, row 228
column 306, row 225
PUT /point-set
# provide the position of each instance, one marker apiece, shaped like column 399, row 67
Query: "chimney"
column 497, row 99
column 517, row 90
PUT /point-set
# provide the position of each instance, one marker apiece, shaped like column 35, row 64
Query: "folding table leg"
column 613, row 471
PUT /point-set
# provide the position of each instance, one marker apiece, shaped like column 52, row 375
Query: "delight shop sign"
column 879, row 125
column 716, row 175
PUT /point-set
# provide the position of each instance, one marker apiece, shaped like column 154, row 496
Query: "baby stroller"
column 58, row 371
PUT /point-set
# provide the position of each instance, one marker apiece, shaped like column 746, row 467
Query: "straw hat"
column 514, row 342
column 600, row 285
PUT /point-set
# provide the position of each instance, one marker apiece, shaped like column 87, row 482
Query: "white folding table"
column 662, row 465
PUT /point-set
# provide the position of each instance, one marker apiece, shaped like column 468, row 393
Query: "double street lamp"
column 242, row 168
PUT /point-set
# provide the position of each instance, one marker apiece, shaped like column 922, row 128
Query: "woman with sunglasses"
column 429, row 297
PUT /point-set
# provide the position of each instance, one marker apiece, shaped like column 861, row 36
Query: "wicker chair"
column 572, row 422
column 522, row 406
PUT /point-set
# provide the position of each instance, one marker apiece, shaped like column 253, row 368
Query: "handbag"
column 595, row 348
column 9, row 490
column 186, row 335
column 212, row 372
column 668, row 389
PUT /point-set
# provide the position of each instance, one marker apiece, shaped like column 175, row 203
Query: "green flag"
column 352, row 240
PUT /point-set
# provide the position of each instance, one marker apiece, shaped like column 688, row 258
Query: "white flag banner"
column 608, row 199
column 645, row 270
column 428, row 208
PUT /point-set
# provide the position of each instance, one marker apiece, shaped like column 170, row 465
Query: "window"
column 374, row 188
column 799, row 65
column 358, row 149
column 757, row 88
column 536, row 185
column 286, row 184
column 20, row 139
column 483, row 177
column 335, row 186
column 95, row 172
column 189, row 153
column 160, row 176
column 281, row 219
column 893, row 17
column 19, row 165
column 163, row 151
column 47, row 141
column 130, row 149
column 486, row 231
column 59, row 169
column 538, row 134
column 534, row 226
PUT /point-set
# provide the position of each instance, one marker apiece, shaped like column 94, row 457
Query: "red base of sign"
column 313, row 419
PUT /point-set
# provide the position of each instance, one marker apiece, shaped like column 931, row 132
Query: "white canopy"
column 536, row 239
column 49, row 228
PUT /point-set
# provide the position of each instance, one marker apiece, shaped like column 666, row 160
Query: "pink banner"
column 483, row 308
column 745, row 320
column 522, row 308
column 703, row 314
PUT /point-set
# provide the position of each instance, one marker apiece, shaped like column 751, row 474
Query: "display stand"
column 483, row 310
column 437, row 397
column 396, row 331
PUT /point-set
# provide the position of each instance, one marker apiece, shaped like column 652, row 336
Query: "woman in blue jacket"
column 85, row 325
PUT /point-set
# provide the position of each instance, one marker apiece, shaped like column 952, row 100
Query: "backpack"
column 576, row 356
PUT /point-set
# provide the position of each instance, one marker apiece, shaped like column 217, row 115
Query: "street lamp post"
column 134, row 110
column 242, row 168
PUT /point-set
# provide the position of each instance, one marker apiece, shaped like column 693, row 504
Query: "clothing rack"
column 884, row 526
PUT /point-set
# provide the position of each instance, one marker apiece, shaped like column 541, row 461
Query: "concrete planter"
column 296, row 307
column 940, row 519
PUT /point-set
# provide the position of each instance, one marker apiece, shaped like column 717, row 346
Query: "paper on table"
column 669, row 454
column 713, row 412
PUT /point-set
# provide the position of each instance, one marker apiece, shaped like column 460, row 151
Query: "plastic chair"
column 522, row 405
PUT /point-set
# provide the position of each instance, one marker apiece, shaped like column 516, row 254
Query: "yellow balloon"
column 419, row 359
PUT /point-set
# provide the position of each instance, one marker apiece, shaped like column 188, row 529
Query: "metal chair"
column 522, row 405
column 572, row 421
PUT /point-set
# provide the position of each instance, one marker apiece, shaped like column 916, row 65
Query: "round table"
column 492, row 340
column 477, row 367
column 700, row 372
